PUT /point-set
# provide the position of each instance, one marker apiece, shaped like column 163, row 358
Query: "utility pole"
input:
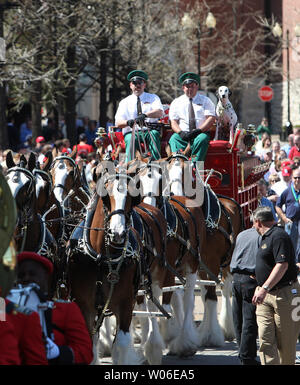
column 267, row 48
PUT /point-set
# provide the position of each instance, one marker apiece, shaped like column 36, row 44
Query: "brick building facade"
column 251, row 109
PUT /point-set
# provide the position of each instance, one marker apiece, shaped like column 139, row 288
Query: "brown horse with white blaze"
column 105, row 259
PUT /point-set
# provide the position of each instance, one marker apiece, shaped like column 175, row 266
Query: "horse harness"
column 130, row 251
column 73, row 164
column 185, row 239
column 46, row 246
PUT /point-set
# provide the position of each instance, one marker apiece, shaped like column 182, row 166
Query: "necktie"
column 139, row 106
column 192, row 121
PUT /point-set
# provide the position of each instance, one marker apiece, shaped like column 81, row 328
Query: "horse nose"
column 116, row 237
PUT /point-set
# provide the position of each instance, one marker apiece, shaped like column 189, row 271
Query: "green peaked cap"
column 189, row 76
column 137, row 73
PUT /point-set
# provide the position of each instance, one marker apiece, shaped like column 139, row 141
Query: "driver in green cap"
column 137, row 109
column 191, row 115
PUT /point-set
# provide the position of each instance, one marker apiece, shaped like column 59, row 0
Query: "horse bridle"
column 148, row 166
column 27, row 173
column 24, row 215
column 119, row 211
column 44, row 173
column 75, row 167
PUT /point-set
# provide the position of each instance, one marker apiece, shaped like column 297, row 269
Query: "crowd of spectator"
column 51, row 138
column 279, row 188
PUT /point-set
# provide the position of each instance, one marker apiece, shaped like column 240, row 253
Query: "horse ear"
column 10, row 160
column 74, row 153
column 23, row 159
column 31, row 161
column 54, row 152
column 49, row 160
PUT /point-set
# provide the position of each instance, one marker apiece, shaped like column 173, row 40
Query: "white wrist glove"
column 52, row 349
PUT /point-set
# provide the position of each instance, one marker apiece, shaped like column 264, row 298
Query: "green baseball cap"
column 137, row 74
column 189, row 77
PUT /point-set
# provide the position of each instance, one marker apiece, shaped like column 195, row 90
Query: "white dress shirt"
column 179, row 110
column 127, row 108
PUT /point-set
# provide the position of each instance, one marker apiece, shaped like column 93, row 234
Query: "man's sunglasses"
column 296, row 177
column 136, row 82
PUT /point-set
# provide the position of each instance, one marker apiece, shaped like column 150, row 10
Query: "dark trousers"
column 244, row 317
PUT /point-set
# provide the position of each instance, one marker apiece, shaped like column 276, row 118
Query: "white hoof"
column 210, row 332
column 123, row 352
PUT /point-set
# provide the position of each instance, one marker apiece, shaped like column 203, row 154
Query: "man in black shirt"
column 276, row 275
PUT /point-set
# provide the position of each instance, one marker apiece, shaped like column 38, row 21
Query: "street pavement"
column 226, row 355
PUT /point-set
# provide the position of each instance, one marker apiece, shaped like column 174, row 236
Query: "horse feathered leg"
column 106, row 337
column 96, row 341
column 123, row 352
column 154, row 345
column 226, row 320
column 186, row 342
column 144, row 323
column 173, row 304
column 170, row 328
column 210, row 333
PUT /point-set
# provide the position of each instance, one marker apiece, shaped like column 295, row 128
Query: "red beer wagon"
column 240, row 170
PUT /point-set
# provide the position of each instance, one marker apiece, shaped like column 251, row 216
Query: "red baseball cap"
column 40, row 139
column 286, row 171
column 286, row 163
column 29, row 255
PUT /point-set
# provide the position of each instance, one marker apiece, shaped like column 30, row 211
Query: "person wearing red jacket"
column 9, row 349
column 295, row 150
column 28, row 332
column 69, row 341
column 83, row 149
column 21, row 341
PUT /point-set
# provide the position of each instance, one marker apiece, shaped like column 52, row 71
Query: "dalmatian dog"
column 226, row 116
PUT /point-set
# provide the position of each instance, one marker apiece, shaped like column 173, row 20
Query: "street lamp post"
column 277, row 32
column 210, row 23
column 288, row 73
